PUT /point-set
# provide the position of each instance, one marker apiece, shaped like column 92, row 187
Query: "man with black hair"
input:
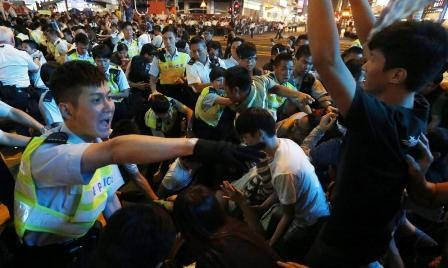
column 81, row 52
column 246, row 91
column 304, row 80
column 129, row 40
column 233, row 60
column 32, row 48
column 69, row 178
column 352, row 53
column 169, row 69
column 163, row 117
column 198, row 69
column 385, row 122
column 136, row 231
column 157, row 39
column 247, row 57
column 116, row 80
column 214, row 50
column 210, row 107
column 275, row 50
column 287, row 177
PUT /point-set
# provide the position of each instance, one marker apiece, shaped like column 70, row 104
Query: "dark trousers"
column 17, row 98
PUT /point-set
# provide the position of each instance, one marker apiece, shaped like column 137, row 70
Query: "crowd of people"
column 146, row 143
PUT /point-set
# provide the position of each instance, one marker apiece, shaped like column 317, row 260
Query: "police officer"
column 116, row 80
column 14, row 78
column 169, row 67
column 129, row 41
column 69, row 178
column 200, row 66
column 81, row 52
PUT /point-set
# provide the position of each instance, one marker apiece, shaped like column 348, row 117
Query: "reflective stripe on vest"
column 212, row 115
column 133, row 49
column 159, row 124
column 74, row 56
column 29, row 215
column 170, row 71
column 275, row 101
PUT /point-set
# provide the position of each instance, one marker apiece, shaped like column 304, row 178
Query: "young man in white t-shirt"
column 293, row 183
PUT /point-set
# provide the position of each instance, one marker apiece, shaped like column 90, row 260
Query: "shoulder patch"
column 57, row 138
column 48, row 97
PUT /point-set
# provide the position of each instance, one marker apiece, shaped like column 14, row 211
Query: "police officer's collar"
column 57, row 41
column 72, row 137
column 176, row 53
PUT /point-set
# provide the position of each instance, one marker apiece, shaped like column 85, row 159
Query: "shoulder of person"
column 72, row 51
column 191, row 62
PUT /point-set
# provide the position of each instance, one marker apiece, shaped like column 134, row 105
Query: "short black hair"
column 136, row 236
column 122, row 46
column 170, row 28
column 101, row 51
column 277, row 49
column 157, row 28
column 246, row 50
column 253, row 119
column 216, row 73
column 238, row 76
column 237, row 39
column 303, row 51
column 196, row 40
column 181, row 44
column 282, row 57
column 355, row 68
column 353, row 50
column 197, row 213
column 302, row 37
column 31, row 43
column 69, row 79
column 214, row 44
column 418, row 47
column 159, row 103
column 46, row 71
column 126, row 24
column 149, row 49
column 82, row 38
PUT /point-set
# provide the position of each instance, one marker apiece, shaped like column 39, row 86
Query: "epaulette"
column 48, row 97
column 57, row 138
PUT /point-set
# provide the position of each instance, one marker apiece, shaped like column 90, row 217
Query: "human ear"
column 398, row 76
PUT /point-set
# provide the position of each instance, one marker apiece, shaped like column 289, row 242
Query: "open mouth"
column 105, row 123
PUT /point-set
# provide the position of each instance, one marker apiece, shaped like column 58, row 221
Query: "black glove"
column 224, row 152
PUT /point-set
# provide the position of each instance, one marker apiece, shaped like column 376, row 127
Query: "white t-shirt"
column 295, row 181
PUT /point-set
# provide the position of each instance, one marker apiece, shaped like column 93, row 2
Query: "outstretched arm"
column 324, row 44
column 364, row 18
